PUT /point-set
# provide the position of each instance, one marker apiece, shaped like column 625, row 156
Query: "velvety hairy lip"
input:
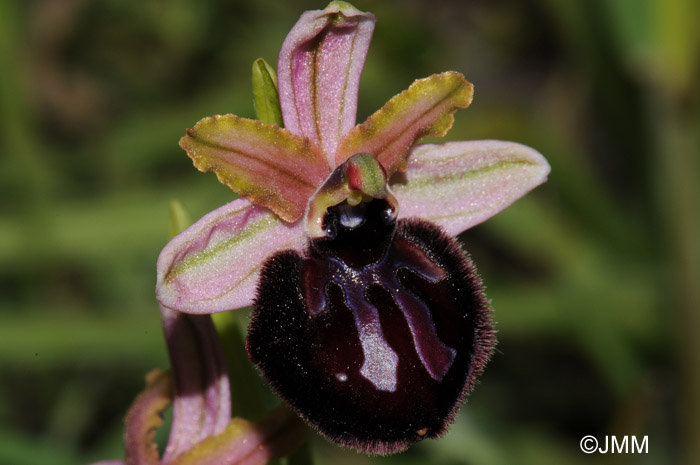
column 375, row 334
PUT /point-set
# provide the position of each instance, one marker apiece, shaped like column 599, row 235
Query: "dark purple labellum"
column 377, row 333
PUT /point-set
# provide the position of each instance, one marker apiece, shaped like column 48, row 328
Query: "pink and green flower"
column 369, row 319
column 214, row 265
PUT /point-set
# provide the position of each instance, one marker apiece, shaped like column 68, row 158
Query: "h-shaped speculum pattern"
column 380, row 360
column 375, row 333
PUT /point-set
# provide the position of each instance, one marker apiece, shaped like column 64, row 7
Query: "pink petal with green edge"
column 109, row 462
column 319, row 70
column 424, row 109
column 246, row 443
column 262, row 162
column 144, row 418
column 202, row 405
column 213, row 265
column 460, row 184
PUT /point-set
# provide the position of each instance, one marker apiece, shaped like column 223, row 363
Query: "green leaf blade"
column 266, row 98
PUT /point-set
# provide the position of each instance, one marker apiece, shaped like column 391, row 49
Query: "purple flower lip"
column 375, row 334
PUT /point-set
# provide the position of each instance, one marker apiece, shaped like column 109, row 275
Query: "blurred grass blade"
column 179, row 219
column 303, row 455
column 247, row 388
column 266, row 98
column 658, row 38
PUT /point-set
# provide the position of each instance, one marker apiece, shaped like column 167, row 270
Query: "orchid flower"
column 369, row 318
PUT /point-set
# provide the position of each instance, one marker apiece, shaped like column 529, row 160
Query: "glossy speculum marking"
column 376, row 333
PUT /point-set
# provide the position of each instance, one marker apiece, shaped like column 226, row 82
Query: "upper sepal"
column 425, row 109
column 460, row 184
column 266, row 164
column 319, row 70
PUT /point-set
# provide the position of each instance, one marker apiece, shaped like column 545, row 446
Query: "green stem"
column 247, row 387
column 18, row 139
column 303, row 455
column 678, row 146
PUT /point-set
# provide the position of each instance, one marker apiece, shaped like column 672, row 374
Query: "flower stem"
column 678, row 194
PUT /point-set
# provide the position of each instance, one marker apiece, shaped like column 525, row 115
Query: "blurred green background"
column 594, row 277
